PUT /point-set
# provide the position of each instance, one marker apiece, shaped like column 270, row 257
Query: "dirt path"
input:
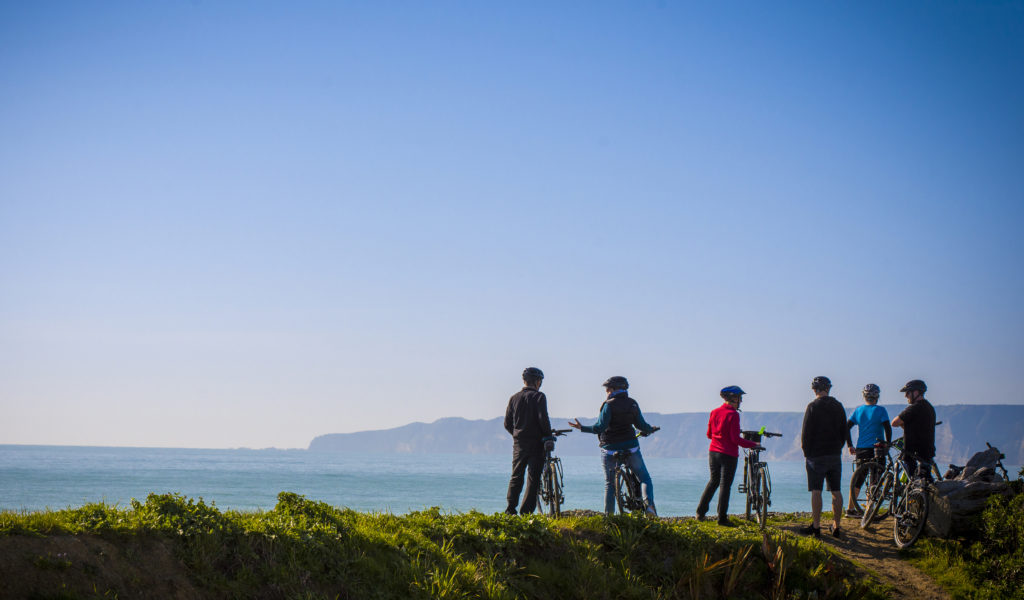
column 874, row 549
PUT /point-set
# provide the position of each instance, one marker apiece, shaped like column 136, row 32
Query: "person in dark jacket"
column 616, row 427
column 723, row 453
column 822, row 438
column 526, row 418
column 918, row 423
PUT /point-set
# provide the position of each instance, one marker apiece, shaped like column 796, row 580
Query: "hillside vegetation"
column 174, row 547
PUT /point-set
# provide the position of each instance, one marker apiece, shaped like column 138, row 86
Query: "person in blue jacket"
column 872, row 422
column 615, row 428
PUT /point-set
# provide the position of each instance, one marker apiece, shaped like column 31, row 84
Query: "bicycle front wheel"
column 909, row 522
column 763, row 500
column 877, row 494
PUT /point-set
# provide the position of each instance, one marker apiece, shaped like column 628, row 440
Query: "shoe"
column 836, row 532
column 811, row 530
column 854, row 513
column 510, row 511
column 701, row 517
column 725, row 523
column 651, row 512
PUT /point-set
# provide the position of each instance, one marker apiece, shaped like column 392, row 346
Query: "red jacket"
column 724, row 431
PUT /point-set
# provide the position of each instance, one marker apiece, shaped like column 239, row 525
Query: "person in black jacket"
column 918, row 423
column 526, row 418
column 822, row 438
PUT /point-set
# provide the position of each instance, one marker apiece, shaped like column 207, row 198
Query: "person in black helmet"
column 615, row 425
column 526, row 418
column 918, row 423
column 822, row 438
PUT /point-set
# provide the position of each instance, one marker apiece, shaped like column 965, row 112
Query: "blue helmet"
column 732, row 390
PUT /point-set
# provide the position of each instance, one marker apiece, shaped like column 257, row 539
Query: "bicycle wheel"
column 877, row 495
column 555, row 500
column 867, row 475
column 542, row 491
column 763, row 500
column 909, row 522
column 750, row 489
column 621, row 490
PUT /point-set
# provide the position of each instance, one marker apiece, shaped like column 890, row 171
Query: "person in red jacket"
column 723, row 454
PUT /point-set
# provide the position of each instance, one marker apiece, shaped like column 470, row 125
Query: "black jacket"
column 526, row 417
column 825, row 430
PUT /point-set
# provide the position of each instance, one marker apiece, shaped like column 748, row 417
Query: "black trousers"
column 528, row 458
column 723, row 470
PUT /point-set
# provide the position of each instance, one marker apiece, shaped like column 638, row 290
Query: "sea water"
column 55, row 477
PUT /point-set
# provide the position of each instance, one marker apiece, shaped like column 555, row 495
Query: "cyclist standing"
column 824, row 432
column 723, row 453
column 872, row 421
column 526, row 418
column 615, row 425
column 918, row 423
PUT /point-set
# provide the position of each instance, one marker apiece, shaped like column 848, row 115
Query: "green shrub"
column 988, row 565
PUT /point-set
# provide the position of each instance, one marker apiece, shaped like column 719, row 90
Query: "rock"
column 953, row 502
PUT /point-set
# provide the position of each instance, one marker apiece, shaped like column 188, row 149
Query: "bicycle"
column 907, row 496
column 868, row 473
column 757, row 481
column 628, row 494
column 551, row 492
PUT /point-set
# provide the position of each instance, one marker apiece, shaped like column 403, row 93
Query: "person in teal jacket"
column 616, row 427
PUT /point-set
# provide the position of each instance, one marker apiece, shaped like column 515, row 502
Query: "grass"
column 311, row 550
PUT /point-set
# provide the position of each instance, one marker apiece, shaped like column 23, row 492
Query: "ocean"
column 34, row 478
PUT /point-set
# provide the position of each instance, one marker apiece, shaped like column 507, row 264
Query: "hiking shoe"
column 701, row 517
column 854, row 513
column 836, row 532
column 810, row 530
column 725, row 523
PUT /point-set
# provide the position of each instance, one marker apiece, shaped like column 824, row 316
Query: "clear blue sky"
column 250, row 223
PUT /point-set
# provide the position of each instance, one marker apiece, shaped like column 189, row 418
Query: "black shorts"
column 824, row 468
column 865, row 454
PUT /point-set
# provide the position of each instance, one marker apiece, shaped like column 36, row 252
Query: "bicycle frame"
column 628, row 490
column 551, row 493
column 757, row 480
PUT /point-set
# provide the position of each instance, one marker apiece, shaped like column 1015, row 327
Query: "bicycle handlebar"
column 559, row 432
column 653, row 429
column 766, row 434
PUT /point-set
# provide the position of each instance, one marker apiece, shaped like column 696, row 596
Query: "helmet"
column 616, row 383
column 915, row 385
column 732, row 390
column 871, row 391
column 821, row 383
column 533, row 373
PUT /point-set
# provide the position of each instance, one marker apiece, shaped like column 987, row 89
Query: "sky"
column 246, row 224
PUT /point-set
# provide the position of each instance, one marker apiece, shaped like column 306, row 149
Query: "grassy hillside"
column 174, row 547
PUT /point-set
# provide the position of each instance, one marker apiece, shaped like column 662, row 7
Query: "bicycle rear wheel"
column 877, row 495
column 867, row 476
column 750, row 489
column 555, row 501
column 763, row 500
column 910, row 519
column 621, row 490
